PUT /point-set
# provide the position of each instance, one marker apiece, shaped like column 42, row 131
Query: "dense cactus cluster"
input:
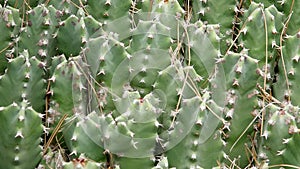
column 149, row 84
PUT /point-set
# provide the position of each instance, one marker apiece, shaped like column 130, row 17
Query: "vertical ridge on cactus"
column 149, row 84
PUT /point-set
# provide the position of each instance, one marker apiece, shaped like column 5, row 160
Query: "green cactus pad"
column 21, row 129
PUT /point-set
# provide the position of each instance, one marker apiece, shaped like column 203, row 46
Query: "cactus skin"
column 21, row 142
column 70, row 29
column 258, row 18
column 80, row 142
column 22, row 76
column 64, row 41
column 281, row 136
column 290, row 8
column 38, row 36
column 18, row 4
column 5, row 38
column 108, row 9
column 238, row 115
column 217, row 12
column 291, row 53
column 193, row 152
column 62, row 80
column 159, row 81
column 64, row 8
column 21, row 124
column 9, row 23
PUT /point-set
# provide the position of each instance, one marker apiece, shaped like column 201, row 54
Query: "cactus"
column 23, row 74
column 285, row 88
column 240, row 90
column 9, row 25
column 21, row 129
column 221, row 13
column 64, row 8
column 37, row 37
column 149, row 84
column 71, row 28
column 290, row 14
column 280, row 148
column 19, row 4
column 108, row 9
